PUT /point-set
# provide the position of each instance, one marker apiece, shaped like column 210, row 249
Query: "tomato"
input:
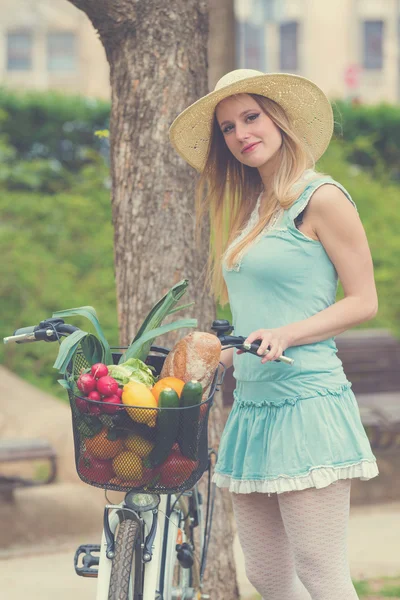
column 95, row 469
column 176, row 469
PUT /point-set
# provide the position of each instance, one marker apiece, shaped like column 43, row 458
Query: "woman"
column 294, row 439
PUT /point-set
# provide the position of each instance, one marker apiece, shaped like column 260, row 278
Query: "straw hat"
column 305, row 104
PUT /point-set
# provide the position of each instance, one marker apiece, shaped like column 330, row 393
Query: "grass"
column 371, row 589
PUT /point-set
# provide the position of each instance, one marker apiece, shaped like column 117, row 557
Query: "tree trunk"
column 222, row 40
column 157, row 53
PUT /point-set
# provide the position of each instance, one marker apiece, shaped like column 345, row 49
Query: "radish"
column 107, row 386
column 86, row 383
column 94, row 396
column 120, row 392
column 94, row 409
column 99, row 370
column 111, row 403
column 81, row 404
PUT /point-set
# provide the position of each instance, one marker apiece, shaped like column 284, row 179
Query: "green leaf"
column 162, row 308
column 139, row 348
column 92, row 349
column 177, row 308
column 89, row 313
column 67, row 349
column 65, row 384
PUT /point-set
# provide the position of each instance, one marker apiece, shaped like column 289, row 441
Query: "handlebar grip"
column 255, row 346
column 20, row 338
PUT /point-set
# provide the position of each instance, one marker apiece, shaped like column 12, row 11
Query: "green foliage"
column 372, row 136
column 52, row 125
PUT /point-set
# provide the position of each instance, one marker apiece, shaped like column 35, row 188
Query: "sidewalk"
column 374, row 546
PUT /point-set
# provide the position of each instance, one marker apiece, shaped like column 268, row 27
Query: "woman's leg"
column 316, row 523
column 268, row 557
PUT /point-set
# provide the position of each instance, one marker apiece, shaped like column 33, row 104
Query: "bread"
column 196, row 356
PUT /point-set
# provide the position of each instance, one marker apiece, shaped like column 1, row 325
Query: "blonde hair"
column 228, row 190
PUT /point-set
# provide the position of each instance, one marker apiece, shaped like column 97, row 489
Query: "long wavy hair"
column 227, row 191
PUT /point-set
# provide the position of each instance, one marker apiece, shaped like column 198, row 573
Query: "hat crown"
column 236, row 75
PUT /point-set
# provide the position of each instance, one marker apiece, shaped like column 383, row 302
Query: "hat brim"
column 307, row 107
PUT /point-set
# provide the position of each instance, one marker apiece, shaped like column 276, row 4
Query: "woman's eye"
column 253, row 117
column 227, row 129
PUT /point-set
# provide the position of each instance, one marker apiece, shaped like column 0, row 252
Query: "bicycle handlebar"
column 50, row 330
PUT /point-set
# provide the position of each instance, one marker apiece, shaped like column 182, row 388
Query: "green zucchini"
column 191, row 397
column 167, row 426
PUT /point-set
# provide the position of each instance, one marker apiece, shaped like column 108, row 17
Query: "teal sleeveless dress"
column 290, row 427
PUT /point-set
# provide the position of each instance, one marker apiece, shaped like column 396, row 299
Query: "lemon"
column 139, row 445
column 128, row 465
column 139, row 395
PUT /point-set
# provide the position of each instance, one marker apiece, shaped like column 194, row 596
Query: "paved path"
column 374, row 544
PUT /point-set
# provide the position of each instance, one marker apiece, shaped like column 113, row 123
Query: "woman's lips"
column 250, row 148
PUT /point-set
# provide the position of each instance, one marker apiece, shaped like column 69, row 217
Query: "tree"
column 222, row 40
column 157, row 53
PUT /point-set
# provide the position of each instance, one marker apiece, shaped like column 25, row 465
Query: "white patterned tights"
column 295, row 543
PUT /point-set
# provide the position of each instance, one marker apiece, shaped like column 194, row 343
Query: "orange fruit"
column 101, row 447
column 138, row 395
column 171, row 382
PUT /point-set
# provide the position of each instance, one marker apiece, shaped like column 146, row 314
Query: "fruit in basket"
column 110, row 404
column 99, row 370
column 138, row 395
column 176, row 469
column 101, row 446
column 107, row 386
column 86, row 383
column 168, row 426
column 139, row 445
column 95, row 469
column 127, row 465
column 167, row 382
column 189, row 426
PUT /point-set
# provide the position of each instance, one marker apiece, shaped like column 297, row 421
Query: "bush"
column 53, row 126
column 372, row 136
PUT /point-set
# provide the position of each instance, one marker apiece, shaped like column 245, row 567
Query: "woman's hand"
column 277, row 339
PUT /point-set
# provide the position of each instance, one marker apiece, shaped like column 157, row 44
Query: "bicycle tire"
column 121, row 569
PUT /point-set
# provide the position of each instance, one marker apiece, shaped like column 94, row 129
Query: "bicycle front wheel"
column 124, row 577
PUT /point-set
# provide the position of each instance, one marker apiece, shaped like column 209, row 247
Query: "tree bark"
column 222, row 40
column 157, row 53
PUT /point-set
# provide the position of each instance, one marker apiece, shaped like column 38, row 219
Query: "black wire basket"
column 123, row 447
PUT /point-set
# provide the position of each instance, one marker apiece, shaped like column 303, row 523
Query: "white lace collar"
column 252, row 222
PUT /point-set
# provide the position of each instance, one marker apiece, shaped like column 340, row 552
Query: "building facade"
column 348, row 47
column 50, row 44
column 351, row 48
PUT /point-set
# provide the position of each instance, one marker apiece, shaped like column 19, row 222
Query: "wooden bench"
column 371, row 361
column 25, row 450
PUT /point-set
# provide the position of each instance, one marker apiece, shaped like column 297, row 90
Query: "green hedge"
column 372, row 136
column 51, row 125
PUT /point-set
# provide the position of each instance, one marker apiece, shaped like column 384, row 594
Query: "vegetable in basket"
column 189, row 425
column 132, row 370
column 168, row 426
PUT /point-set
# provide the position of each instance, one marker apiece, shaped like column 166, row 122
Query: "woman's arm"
column 339, row 229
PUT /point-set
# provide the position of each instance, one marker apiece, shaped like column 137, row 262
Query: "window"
column 373, row 45
column 250, row 46
column 19, row 50
column 61, row 51
column 288, row 49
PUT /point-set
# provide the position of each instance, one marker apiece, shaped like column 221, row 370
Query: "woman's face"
column 251, row 136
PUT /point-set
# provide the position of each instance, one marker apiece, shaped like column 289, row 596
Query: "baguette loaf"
column 196, row 356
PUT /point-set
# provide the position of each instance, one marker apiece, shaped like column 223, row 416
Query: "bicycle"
column 148, row 547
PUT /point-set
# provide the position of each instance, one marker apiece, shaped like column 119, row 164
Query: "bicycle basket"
column 120, row 447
